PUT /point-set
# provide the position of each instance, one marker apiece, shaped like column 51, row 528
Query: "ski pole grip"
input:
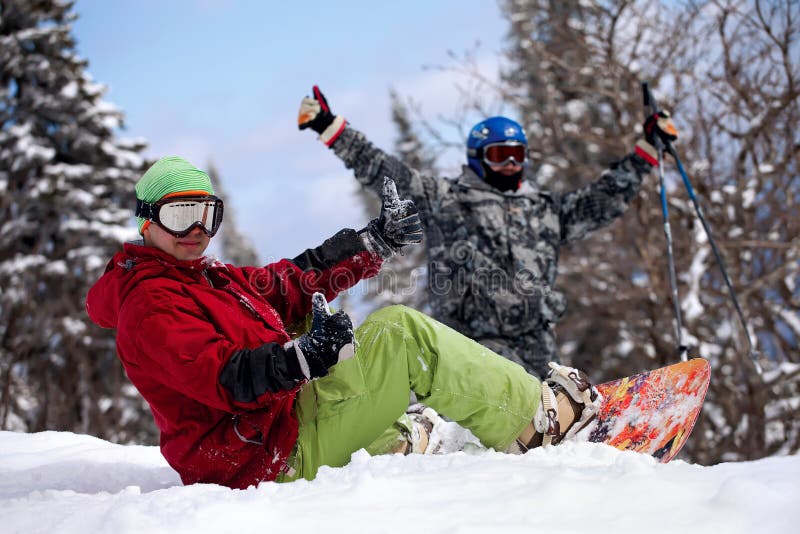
column 649, row 99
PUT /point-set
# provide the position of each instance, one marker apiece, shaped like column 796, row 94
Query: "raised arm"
column 340, row 262
column 597, row 204
column 337, row 264
column 370, row 164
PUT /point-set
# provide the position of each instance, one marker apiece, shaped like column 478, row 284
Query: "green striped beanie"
column 167, row 176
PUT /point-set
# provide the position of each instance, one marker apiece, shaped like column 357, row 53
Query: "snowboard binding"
column 569, row 402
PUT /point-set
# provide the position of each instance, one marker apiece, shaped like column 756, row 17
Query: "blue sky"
column 221, row 80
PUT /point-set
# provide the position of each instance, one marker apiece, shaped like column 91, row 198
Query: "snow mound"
column 68, row 483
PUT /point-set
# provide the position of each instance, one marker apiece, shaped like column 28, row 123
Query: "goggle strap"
column 144, row 209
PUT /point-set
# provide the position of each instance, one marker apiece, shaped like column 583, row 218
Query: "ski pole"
column 690, row 190
column 720, row 263
column 673, row 281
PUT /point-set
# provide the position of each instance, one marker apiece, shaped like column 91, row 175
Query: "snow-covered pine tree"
column 66, row 206
column 403, row 280
column 235, row 247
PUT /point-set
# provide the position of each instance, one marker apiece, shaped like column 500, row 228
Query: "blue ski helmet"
column 488, row 131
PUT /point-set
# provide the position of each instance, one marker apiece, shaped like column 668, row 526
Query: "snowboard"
column 652, row 412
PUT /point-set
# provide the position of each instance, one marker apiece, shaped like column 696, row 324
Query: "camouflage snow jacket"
column 493, row 256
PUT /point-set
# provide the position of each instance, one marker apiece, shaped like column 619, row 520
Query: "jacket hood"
column 129, row 267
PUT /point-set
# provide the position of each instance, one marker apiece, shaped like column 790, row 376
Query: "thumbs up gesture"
column 401, row 222
column 315, row 113
column 330, row 340
column 397, row 225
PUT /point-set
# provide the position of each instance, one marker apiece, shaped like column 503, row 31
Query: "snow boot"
column 418, row 434
column 569, row 402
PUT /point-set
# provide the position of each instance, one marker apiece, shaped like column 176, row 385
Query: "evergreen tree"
column 66, row 206
column 236, row 247
column 403, row 280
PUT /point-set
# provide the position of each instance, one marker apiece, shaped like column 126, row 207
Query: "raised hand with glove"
column 329, row 341
column 659, row 132
column 397, row 225
column 316, row 114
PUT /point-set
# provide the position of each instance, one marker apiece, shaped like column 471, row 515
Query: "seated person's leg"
column 400, row 349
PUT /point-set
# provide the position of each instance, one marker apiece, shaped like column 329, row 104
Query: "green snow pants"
column 399, row 350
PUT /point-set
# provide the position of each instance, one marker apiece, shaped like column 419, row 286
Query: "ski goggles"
column 180, row 215
column 504, row 153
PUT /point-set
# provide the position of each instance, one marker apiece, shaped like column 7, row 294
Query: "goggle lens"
column 501, row 154
column 181, row 215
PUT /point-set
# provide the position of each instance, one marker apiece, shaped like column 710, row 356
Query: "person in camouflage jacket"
column 492, row 251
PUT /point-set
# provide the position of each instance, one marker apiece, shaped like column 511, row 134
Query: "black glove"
column 397, row 226
column 329, row 341
column 657, row 128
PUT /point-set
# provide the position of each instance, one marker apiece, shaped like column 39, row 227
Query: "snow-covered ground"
column 59, row 482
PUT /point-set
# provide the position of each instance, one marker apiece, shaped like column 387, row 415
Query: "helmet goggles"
column 180, row 215
column 505, row 152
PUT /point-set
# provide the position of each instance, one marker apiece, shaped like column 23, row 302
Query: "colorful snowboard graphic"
column 652, row 412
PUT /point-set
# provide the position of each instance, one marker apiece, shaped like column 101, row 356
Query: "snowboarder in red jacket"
column 239, row 400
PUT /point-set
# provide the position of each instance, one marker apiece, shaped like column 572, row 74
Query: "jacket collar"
column 469, row 179
column 138, row 251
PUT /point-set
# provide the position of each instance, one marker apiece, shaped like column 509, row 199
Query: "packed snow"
column 69, row 483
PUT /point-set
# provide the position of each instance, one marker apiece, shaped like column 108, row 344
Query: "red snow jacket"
column 178, row 323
